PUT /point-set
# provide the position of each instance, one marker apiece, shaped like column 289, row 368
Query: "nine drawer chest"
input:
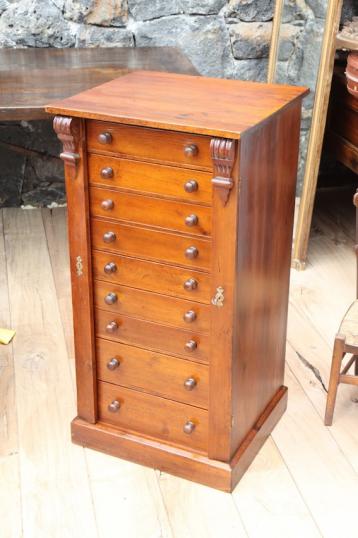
column 180, row 208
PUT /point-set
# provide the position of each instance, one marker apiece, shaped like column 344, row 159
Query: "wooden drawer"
column 153, row 416
column 152, row 144
column 152, row 244
column 151, row 276
column 148, row 178
column 152, row 336
column 136, row 209
column 152, row 306
column 153, row 372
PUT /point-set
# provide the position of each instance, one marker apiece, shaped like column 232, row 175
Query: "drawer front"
column 151, row 276
column 188, row 344
column 170, row 377
column 153, row 416
column 153, row 144
column 152, row 307
column 151, row 244
column 177, row 216
column 179, row 183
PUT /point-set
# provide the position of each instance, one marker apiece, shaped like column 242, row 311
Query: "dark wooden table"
column 31, row 78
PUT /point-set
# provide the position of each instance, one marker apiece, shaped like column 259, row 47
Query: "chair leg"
column 338, row 354
column 356, row 366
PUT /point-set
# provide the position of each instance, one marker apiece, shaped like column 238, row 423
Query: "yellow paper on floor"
column 6, row 335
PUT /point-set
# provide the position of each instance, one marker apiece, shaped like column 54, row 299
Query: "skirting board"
column 181, row 462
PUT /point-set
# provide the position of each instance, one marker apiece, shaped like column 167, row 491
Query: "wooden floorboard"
column 302, row 483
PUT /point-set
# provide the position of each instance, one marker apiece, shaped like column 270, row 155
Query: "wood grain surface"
column 152, row 372
column 153, row 416
column 152, row 276
column 149, row 178
column 185, row 103
column 145, row 210
column 32, row 77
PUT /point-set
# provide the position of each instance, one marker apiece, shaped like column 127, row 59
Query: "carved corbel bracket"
column 68, row 131
column 223, row 157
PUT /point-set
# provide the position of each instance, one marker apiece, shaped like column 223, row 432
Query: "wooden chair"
column 346, row 341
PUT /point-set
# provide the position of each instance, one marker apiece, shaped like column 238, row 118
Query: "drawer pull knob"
column 191, row 220
column 111, row 298
column 113, row 363
column 112, row 327
column 190, row 284
column 104, row 138
column 110, row 268
column 191, row 253
column 191, row 345
column 189, row 427
column 191, row 150
column 107, row 172
column 114, row 406
column 189, row 316
column 107, row 204
column 191, row 186
column 109, row 237
column 190, row 383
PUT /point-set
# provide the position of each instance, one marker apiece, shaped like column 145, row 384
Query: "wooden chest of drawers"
column 180, row 209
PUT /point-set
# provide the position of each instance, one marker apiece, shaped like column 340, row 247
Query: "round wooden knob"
column 107, row 204
column 190, row 383
column 189, row 427
column 189, row 316
column 110, row 268
column 191, row 150
column 114, row 406
column 190, row 284
column 107, row 172
column 191, row 220
column 191, row 186
column 113, row 363
column 104, row 138
column 111, row 298
column 112, row 327
column 191, row 253
column 109, row 237
column 191, row 345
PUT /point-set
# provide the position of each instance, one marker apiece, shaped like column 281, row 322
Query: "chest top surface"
column 201, row 105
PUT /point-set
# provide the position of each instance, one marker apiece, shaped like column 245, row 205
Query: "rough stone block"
column 34, row 24
column 99, row 12
column 97, row 36
column 250, row 40
column 204, row 40
column 155, row 9
column 250, row 10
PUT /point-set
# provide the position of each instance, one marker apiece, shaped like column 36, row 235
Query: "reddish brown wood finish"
column 144, row 210
column 172, row 303
column 153, row 416
column 151, row 306
column 150, row 144
column 152, row 276
column 153, row 336
column 151, row 244
column 185, row 463
column 74, row 156
column 152, row 372
column 149, row 178
column 197, row 105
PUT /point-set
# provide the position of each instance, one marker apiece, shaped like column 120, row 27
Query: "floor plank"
column 10, row 496
column 323, row 475
column 114, row 483
column 268, row 499
column 56, row 498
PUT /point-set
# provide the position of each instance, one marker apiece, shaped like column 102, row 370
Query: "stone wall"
column 222, row 38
